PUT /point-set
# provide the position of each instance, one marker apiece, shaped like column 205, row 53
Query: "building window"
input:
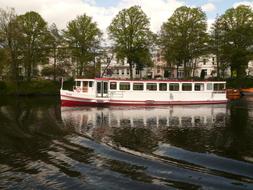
column 204, row 61
column 138, row 86
column 187, row 87
column 124, row 86
column 163, row 86
column 123, row 71
column 199, row 86
column 137, row 72
column 174, row 86
column 158, row 69
column 180, row 74
column 113, row 85
column 158, row 57
column 127, row 71
column 213, row 60
column 152, row 86
column 117, row 71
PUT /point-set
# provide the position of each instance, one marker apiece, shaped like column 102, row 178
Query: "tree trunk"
column 131, row 69
column 14, row 68
column 218, row 65
column 184, row 63
column 54, row 64
column 29, row 70
column 177, row 71
column 81, row 69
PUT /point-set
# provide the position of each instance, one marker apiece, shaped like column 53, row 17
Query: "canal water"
column 46, row 146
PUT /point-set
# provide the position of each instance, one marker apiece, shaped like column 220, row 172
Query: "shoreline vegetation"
column 52, row 88
column 33, row 88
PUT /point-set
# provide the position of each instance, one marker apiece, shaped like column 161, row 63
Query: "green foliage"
column 9, row 35
column 83, row 37
column 3, row 60
column 183, row 37
column 3, row 87
column 51, row 71
column 33, row 42
column 130, row 32
column 245, row 82
column 42, row 87
column 235, row 29
column 56, row 42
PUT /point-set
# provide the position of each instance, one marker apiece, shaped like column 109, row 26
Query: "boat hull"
column 74, row 101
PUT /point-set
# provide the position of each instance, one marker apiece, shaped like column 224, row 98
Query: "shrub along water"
column 36, row 87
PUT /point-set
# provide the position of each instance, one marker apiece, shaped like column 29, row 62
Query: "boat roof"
column 150, row 80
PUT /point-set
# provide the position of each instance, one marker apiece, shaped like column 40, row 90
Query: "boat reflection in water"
column 175, row 116
column 190, row 144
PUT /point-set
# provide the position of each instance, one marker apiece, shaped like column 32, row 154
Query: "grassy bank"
column 38, row 87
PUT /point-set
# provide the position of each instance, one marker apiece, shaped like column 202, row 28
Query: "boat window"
column 85, row 86
column 124, row 86
column 78, row 83
column 99, row 87
column 90, row 83
column 174, row 86
column 113, row 85
column 199, row 87
column 163, row 86
column 105, row 87
column 187, row 87
column 138, row 86
column 152, row 86
column 219, row 86
column 209, row 86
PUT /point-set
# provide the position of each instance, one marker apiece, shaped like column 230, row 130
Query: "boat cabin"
column 101, row 87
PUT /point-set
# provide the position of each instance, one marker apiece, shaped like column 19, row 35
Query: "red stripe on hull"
column 69, row 103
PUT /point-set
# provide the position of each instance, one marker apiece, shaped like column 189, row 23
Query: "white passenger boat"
column 102, row 91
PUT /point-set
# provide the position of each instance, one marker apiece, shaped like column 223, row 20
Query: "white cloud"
column 63, row 11
column 249, row 3
column 209, row 7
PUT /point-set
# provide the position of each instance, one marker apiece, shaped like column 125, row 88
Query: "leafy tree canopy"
column 184, row 37
column 235, row 29
column 34, row 41
column 131, row 35
column 83, row 37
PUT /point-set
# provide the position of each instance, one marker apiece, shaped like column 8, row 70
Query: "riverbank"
column 52, row 88
column 38, row 87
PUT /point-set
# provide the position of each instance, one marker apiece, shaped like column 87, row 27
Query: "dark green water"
column 44, row 146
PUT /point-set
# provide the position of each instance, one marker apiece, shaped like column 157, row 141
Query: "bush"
column 246, row 82
column 2, row 86
column 36, row 87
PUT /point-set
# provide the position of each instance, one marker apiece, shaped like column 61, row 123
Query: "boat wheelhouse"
column 102, row 91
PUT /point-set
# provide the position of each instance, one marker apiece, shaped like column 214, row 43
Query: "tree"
column 236, row 37
column 83, row 37
column 183, row 37
column 9, row 35
column 131, row 36
column 56, row 43
column 3, row 61
column 34, row 42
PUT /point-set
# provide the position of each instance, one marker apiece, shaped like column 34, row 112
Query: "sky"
column 61, row 12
